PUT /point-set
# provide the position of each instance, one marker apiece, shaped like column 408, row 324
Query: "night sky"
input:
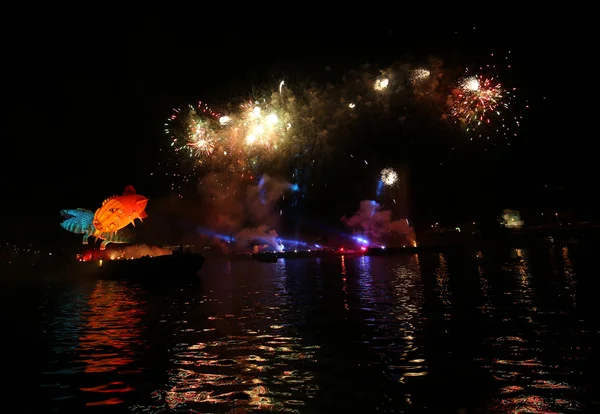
column 86, row 104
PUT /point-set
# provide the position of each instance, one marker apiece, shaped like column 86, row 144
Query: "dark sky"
column 85, row 100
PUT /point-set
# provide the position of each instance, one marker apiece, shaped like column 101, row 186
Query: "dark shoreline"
column 445, row 243
column 458, row 244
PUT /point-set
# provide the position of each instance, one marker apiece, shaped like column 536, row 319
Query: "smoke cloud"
column 135, row 252
column 377, row 225
column 261, row 234
column 226, row 208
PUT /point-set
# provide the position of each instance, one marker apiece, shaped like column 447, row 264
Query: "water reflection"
column 493, row 332
column 364, row 274
column 569, row 274
column 528, row 355
column 442, row 276
column 486, row 306
column 344, row 283
column 94, row 334
column 110, row 340
column 524, row 294
column 393, row 295
column 408, row 290
column 113, row 327
column 66, row 318
column 242, row 351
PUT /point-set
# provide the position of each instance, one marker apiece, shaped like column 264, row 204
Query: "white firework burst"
column 389, row 177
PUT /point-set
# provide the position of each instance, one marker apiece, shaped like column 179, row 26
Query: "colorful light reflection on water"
column 498, row 332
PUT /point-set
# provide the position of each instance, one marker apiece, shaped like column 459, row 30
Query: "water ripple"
column 486, row 331
column 99, row 331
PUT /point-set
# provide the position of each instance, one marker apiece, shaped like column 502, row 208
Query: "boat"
column 167, row 267
column 266, row 257
column 346, row 252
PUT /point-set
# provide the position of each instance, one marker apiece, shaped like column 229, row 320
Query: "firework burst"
column 263, row 125
column 381, row 84
column 300, row 127
column 418, row 75
column 479, row 103
column 204, row 143
column 388, row 177
column 247, row 137
column 192, row 131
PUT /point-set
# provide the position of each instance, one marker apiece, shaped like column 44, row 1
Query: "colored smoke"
column 246, row 211
column 260, row 235
column 226, row 206
column 377, row 225
column 135, row 252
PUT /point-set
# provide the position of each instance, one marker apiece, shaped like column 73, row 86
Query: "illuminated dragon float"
column 108, row 221
column 79, row 221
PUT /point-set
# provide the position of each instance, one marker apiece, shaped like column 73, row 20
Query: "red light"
column 363, row 248
column 341, row 249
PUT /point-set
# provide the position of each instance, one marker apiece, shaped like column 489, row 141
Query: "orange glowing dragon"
column 117, row 212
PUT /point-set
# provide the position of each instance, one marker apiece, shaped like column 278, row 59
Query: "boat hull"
column 159, row 268
column 266, row 257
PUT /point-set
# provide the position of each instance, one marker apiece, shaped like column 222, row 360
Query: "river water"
column 506, row 331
